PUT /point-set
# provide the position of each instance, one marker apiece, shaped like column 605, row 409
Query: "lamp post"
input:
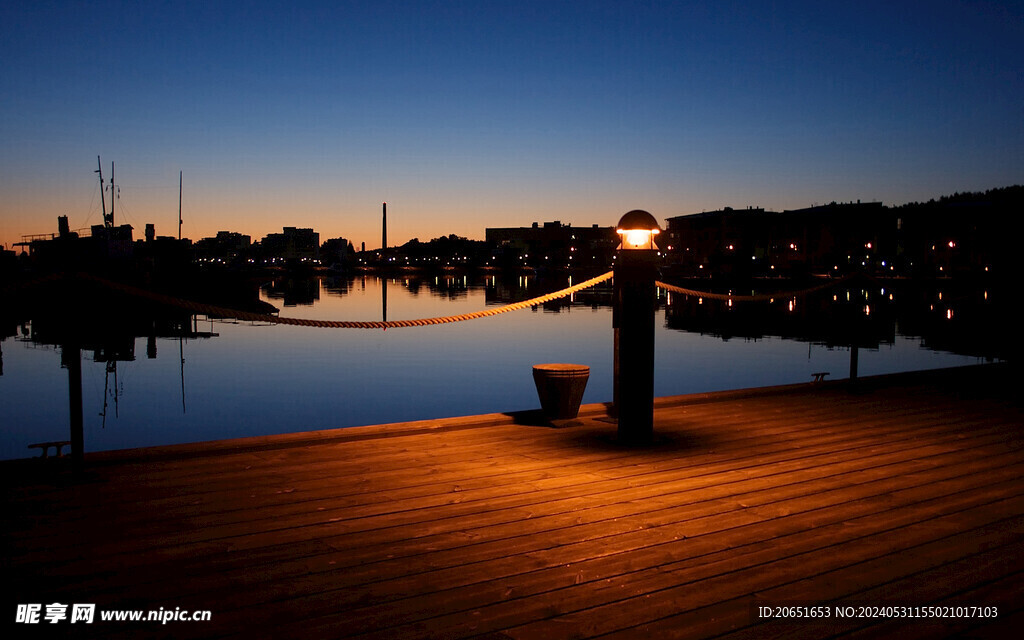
column 636, row 268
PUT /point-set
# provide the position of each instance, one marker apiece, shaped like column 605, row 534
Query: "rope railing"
column 762, row 297
column 207, row 309
column 14, row 288
column 251, row 316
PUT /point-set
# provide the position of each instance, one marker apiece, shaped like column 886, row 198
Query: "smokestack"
column 384, row 229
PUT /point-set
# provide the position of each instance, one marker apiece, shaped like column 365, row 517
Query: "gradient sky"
column 465, row 115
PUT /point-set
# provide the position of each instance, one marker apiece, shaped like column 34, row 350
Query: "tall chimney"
column 384, row 229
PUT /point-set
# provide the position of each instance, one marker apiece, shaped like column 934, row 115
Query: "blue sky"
column 464, row 115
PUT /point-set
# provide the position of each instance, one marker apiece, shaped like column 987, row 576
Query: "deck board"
column 904, row 491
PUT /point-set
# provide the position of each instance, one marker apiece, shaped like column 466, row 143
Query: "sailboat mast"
column 113, row 197
column 179, row 205
column 103, row 201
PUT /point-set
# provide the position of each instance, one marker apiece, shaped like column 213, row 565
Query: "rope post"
column 71, row 357
column 636, row 268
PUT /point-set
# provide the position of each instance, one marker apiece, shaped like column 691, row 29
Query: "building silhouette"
column 553, row 244
column 956, row 236
column 226, row 245
column 292, row 244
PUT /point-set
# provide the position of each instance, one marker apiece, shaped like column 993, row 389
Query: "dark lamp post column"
column 636, row 269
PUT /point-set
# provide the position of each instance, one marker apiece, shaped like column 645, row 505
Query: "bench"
column 819, row 375
column 45, row 446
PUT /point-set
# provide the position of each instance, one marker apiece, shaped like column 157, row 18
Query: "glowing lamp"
column 637, row 230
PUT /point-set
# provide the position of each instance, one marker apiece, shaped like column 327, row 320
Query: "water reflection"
column 961, row 320
column 103, row 327
column 498, row 290
column 242, row 379
column 293, row 291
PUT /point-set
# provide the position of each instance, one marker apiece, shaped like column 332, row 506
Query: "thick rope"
column 207, row 309
column 17, row 287
column 249, row 316
column 769, row 297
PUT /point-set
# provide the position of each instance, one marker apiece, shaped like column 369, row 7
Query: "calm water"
column 254, row 380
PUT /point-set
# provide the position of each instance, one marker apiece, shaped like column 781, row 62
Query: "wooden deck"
column 906, row 492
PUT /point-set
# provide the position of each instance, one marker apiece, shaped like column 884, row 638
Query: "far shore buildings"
column 963, row 234
column 226, row 245
column 336, row 252
column 553, row 244
column 292, row 244
column 747, row 242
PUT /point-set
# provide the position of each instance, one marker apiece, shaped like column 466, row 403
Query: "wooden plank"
column 291, row 490
column 899, row 553
column 502, row 537
column 140, row 472
column 613, row 573
column 519, row 530
column 458, row 512
column 431, row 582
column 998, row 586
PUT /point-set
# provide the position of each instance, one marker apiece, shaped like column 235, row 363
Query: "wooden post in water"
column 72, row 356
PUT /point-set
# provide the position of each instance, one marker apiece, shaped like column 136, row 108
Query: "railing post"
column 636, row 269
column 71, row 355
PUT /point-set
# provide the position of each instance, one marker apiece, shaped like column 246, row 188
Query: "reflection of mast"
column 383, row 246
column 181, row 354
column 111, row 368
